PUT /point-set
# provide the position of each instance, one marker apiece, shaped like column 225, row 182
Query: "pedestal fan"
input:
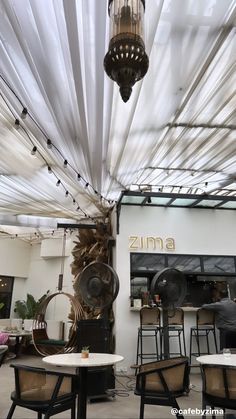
column 170, row 284
column 98, row 285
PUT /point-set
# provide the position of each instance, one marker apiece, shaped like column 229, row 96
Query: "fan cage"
column 98, row 270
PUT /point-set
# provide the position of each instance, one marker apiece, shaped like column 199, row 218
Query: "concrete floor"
column 125, row 405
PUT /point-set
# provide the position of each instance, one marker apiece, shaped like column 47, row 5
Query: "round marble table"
column 82, row 365
column 218, row 359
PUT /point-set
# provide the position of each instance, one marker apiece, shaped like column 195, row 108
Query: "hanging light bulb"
column 33, row 151
column 17, row 124
column 126, row 61
column 24, row 113
column 49, row 143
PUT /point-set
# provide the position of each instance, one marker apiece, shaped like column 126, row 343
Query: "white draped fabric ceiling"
column 176, row 133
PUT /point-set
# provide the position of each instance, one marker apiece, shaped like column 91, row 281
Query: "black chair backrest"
column 169, row 376
column 38, row 385
column 149, row 316
column 205, row 317
column 176, row 317
column 219, row 384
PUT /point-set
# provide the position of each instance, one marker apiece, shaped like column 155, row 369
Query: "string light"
column 33, row 151
column 50, row 144
column 17, row 124
column 65, row 163
column 42, row 157
column 67, row 193
column 24, row 113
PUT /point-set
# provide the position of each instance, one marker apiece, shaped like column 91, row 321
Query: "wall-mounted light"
column 126, row 61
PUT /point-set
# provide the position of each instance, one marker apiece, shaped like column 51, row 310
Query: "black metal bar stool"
column 176, row 328
column 205, row 324
column 149, row 328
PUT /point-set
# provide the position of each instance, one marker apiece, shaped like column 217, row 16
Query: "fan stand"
column 165, row 333
column 171, row 296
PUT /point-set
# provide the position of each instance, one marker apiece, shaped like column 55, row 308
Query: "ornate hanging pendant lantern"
column 126, row 60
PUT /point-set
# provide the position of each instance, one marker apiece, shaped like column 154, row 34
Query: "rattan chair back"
column 205, row 317
column 149, row 316
column 160, row 382
column 176, row 317
column 219, row 388
column 46, row 392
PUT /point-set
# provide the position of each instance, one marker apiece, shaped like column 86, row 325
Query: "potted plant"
column 85, row 352
column 27, row 309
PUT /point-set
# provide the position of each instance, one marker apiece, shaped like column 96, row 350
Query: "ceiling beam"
column 207, row 126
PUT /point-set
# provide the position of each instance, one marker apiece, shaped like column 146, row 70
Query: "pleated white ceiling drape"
column 51, row 54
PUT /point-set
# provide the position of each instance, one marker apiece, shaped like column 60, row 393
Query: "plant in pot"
column 85, row 352
column 27, row 309
column 1, row 306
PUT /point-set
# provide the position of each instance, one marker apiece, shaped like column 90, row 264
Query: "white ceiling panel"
column 176, row 131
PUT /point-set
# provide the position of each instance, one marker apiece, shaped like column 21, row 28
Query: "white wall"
column 43, row 276
column 35, row 275
column 14, row 257
column 195, row 231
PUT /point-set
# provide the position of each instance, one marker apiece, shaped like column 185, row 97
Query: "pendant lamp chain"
column 60, row 279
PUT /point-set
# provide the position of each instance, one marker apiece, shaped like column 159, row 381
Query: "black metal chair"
column 176, row 329
column 161, row 382
column 3, row 352
column 218, row 390
column 149, row 328
column 205, row 324
column 44, row 392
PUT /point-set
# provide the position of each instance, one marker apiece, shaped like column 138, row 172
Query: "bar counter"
column 187, row 309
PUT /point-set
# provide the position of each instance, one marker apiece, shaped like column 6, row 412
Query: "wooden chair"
column 218, row 390
column 44, row 392
column 161, row 382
